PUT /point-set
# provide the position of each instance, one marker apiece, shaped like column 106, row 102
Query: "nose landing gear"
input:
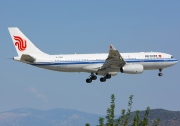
column 160, row 72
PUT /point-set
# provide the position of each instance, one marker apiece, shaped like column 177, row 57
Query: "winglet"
column 112, row 47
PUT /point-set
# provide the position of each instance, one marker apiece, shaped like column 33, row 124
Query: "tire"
column 88, row 80
column 160, row 74
column 108, row 76
column 102, row 79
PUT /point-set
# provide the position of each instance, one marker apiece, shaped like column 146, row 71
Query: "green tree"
column 124, row 119
column 87, row 124
column 136, row 119
column 110, row 112
column 101, row 121
column 145, row 120
column 128, row 111
column 156, row 122
column 121, row 118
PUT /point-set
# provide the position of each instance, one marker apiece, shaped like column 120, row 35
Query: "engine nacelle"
column 132, row 69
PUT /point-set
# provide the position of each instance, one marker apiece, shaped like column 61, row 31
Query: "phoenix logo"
column 21, row 43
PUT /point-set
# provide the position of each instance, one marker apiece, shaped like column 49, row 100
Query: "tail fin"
column 22, row 44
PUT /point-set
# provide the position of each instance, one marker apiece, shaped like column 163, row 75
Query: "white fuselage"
column 90, row 62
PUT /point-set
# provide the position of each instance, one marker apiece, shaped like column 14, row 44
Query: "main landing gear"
column 94, row 77
column 91, row 77
column 107, row 76
column 160, row 72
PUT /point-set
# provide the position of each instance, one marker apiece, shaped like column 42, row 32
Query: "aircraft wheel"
column 108, row 76
column 160, row 74
column 102, row 79
column 88, row 80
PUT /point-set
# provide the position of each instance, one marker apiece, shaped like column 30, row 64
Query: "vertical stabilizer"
column 22, row 44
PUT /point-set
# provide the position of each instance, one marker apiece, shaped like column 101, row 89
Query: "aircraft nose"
column 175, row 61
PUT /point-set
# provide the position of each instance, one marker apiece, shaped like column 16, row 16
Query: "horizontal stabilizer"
column 27, row 58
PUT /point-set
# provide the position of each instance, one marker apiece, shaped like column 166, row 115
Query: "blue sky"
column 63, row 27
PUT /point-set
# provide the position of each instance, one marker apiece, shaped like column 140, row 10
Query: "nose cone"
column 171, row 62
column 174, row 61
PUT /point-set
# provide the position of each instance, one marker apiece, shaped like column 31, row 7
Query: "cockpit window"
column 172, row 56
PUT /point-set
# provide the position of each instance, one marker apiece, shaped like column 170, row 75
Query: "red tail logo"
column 21, row 43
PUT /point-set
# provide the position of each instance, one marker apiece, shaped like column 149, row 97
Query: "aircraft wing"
column 114, row 59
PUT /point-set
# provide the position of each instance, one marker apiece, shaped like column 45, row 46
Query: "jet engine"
column 132, row 69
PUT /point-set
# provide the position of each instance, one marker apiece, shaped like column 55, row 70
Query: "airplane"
column 103, row 64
